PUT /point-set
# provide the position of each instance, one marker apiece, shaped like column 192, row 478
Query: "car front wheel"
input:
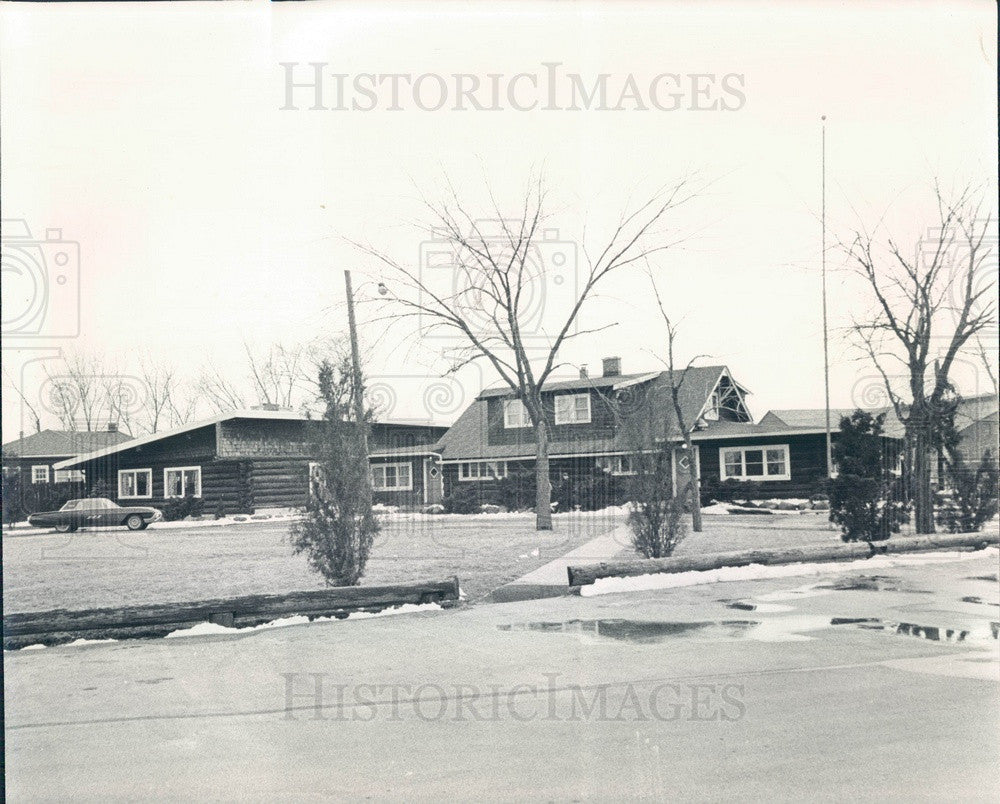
column 65, row 528
column 135, row 522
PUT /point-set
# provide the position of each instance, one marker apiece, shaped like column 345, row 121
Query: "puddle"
column 932, row 633
column 773, row 629
column 763, row 608
column 871, row 583
column 979, row 601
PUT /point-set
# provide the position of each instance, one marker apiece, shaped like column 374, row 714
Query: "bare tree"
column 692, row 488
column 936, row 296
column 219, row 392
column 76, row 394
column 495, row 280
column 280, row 375
column 163, row 406
column 31, row 409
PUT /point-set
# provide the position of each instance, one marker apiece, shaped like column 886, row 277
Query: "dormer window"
column 515, row 414
column 573, row 409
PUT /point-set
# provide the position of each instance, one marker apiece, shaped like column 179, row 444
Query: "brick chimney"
column 583, row 372
column 612, row 366
column 112, row 427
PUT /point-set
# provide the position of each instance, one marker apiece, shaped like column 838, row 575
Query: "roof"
column 815, row 419
column 273, row 415
column 62, row 443
column 614, row 382
column 467, row 439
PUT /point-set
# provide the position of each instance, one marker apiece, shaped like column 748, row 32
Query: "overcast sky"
column 206, row 215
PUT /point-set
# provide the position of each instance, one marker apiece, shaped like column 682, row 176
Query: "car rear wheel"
column 135, row 522
column 65, row 528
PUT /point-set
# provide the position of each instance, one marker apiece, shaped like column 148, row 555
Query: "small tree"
column 656, row 516
column 338, row 528
column 973, row 500
column 865, row 496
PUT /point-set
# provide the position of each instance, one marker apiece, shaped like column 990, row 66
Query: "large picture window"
column 755, row 463
column 515, row 414
column 135, row 483
column 392, row 477
column 182, row 481
column 482, row 470
column 573, row 409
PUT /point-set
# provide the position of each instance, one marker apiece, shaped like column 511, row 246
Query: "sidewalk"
column 551, row 580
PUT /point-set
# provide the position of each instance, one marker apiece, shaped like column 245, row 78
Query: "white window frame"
column 34, row 473
column 613, row 465
column 572, row 407
column 149, row 484
column 787, row 475
column 515, row 415
column 467, row 475
column 397, row 487
column 68, row 476
column 181, row 469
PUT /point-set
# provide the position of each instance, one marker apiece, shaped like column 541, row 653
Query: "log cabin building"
column 253, row 460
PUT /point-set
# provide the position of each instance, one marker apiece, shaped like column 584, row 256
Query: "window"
column 712, row 408
column 182, row 481
column 482, row 470
column 135, row 483
column 617, row 464
column 515, row 414
column 392, row 477
column 573, row 409
column 40, row 474
column 69, row 476
column 755, row 463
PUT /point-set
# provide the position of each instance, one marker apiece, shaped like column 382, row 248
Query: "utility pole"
column 357, row 383
column 826, row 338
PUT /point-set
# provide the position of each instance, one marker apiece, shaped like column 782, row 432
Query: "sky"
column 206, row 216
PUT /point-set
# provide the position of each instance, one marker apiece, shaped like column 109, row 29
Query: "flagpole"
column 826, row 339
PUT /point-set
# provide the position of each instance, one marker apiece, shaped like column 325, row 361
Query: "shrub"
column 464, row 499
column 865, row 497
column 731, row 490
column 516, row 491
column 973, row 499
column 658, row 526
column 182, row 507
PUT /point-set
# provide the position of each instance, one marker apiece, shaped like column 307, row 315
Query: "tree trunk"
column 694, row 486
column 923, row 496
column 543, row 485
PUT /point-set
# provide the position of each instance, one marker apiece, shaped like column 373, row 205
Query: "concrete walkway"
column 551, row 580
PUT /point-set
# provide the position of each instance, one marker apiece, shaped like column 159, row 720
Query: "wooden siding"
column 806, row 455
column 602, row 422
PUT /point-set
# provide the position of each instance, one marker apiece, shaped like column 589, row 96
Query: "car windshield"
column 96, row 502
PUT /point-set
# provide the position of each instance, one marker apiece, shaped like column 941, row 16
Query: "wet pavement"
column 855, row 683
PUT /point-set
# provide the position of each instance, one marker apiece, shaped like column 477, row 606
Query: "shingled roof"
column 467, row 439
column 62, row 443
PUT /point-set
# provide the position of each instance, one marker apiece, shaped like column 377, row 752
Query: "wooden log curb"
column 139, row 622
column 587, row 574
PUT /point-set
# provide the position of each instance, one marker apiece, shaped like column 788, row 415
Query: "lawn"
column 116, row 567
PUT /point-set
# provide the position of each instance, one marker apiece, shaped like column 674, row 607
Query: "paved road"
column 739, row 690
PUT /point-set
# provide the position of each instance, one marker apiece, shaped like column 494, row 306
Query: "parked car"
column 94, row 512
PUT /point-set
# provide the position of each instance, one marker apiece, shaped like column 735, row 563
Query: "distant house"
column 785, row 452
column 34, row 456
column 978, row 425
column 242, row 461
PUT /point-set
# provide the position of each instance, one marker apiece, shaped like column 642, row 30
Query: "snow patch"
column 211, row 629
column 754, row 572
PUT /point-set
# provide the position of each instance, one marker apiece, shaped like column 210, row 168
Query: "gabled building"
column 245, row 461
column 35, row 455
